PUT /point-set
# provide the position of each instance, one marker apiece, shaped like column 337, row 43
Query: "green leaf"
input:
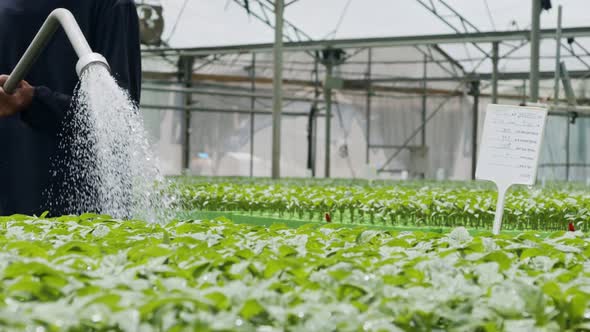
column 110, row 300
column 398, row 243
column 532, row 252
column 219, row 300
column 499, row 257
column 88, row 290
column 251, row 309
column 141, row 254
column 339, row 274
column 413, row 275
column 553, row 290
column 28, row 249
column 200, row 269
column 245, row 253
column 286, row 251
column 36, row 269
column 476, row 245
column 26, row 289
column 272, row 267
column 77, row 247
column 578, row 305
column 350, row 292
column 153, row 309
column 395, row 280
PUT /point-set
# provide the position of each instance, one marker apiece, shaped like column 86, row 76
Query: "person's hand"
column 17, row 102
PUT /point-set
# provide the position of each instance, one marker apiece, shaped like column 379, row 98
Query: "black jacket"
column 29, row 142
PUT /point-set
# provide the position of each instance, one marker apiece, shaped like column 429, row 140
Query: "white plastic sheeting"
column 220, row 142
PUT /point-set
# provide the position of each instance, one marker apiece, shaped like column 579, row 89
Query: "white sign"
column 510, row 147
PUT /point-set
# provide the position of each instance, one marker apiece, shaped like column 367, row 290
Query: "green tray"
column 239, row 217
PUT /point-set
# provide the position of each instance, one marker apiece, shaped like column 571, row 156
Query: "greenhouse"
column 290, row 165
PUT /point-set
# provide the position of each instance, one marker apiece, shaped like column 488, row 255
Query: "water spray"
column 59, row 17
column 110, row 149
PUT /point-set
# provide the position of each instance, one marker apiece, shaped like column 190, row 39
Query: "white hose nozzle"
column 59, row 17
column 91, row 59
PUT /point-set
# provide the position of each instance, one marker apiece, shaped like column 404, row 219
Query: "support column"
column 556, row 91
column 277, row 90
column 557, row 58
column 313, row 128
column 369, row 65
column 252, row 107
column 535, row 45
column 495, row 59
column 186, row 67
column 330, row 58
column 567, row 147
column 328, row 97
column 424, row 100
column 475, row 93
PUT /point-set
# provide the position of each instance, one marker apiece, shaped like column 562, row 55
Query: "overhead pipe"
column 59, row 17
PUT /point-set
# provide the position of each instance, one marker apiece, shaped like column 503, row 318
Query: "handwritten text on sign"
column 510, row 147
column 511, row 144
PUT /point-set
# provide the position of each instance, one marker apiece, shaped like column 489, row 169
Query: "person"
column 32, row 118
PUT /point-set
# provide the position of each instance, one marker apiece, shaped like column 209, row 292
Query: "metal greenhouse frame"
column 188, row 66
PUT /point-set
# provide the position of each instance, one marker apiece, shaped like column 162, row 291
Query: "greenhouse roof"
column 208, row 23
column 191, row 24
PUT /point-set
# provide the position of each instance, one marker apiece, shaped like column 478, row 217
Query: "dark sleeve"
column 47, row 111
column 117, row 39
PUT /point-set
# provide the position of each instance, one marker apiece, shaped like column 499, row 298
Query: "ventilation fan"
column 151, row 23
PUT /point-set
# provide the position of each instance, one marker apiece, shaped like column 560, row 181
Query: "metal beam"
column 564, row 165
column 203, row 109
column 502, row 76
column 264, row 10
column 567, row 84
column 186, row 67
column 328, row 131
column 424, row 100
column 312, row 120
column 495, row 60
column 389, row 147
column 428, row 53
column 475, row 126
column 252, row 115
column 277, row 89
column 478, row 37
column 560, row 110
column 557, row 56
column 573, row 53
column 368, row 104
column 402, row 92
column 465, row 27
column 535, row 50
column 224, row 94
column 449, row 58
